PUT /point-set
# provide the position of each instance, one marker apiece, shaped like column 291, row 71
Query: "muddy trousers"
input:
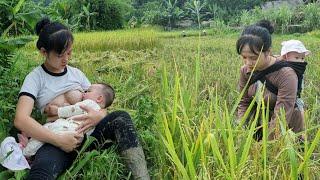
column 50, row 161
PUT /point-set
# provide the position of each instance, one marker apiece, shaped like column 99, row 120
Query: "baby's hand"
column 51, row 110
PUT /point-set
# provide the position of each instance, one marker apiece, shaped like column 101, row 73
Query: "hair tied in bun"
column 41, row 24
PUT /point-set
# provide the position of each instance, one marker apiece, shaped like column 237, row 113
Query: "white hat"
column 293, row 46
column 11, row 155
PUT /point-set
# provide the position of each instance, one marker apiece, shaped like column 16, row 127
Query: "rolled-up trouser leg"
column 119, row 127
column 50, row 162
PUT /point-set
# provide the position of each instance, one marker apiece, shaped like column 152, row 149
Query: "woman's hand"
column 69, row 141
column 91, row 119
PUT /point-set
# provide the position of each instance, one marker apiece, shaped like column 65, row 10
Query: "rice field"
column 182, row 94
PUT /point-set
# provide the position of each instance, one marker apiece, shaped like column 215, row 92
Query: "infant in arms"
column 61, row 110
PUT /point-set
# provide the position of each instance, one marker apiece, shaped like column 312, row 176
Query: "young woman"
column 254, row 46
column 55, row 78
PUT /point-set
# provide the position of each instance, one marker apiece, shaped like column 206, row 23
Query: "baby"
column 294, row 52
column 97, row 97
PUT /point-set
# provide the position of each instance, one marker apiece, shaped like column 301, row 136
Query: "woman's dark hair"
column 266, row 24
column 256, row 37
column 53, row 36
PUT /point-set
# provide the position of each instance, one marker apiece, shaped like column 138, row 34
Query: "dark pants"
column 51, row 161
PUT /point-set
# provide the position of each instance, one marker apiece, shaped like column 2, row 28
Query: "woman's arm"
column 245, row 99
column 26, row 123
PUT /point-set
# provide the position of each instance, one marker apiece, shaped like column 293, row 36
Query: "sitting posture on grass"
column 56, row 78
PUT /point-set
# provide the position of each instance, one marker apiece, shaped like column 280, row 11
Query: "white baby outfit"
column 62, row 125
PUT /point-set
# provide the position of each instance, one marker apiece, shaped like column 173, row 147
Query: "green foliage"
column 9, row 82
column 303, row 18
column 197, row 129
column 171, row 12
column 7, row 47
column 311, row 14
column 110, row 14
column 165, row 13
column 64, row 11
column 195, row 9
column 233, row 7
column 168, row 12
column 93, row 164
column 18, row 17
column 152, row 13
column 220, row 27
column 6, row 174
column 215, row 11
column 146, row 110
column 234, row 13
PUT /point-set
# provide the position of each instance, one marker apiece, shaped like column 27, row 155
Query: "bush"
column 280, row 16
column 110, row 14
column 219, row 26
column 165, row 13
column 311, row 14
column 304, row 18
column 9, row 82
column 7, row 47
column 18, row 17
column 234, row 7
column 89, row 14
column 152, row 13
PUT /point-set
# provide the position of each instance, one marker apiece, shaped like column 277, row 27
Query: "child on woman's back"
column 294, row 52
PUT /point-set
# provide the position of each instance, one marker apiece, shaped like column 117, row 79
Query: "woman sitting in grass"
column 254, row 46
column 53, row 78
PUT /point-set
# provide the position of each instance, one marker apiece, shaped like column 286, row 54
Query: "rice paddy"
column 182, row 94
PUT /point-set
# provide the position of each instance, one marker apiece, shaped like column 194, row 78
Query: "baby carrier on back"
column 298, row 67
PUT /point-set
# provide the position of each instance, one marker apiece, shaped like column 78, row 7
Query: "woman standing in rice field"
column 254, row 47
column 55, row 78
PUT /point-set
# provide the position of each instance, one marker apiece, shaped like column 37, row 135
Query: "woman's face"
column 250, row 59
column 57, row 62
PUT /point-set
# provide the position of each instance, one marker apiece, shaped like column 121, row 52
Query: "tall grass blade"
column 188, row 154
column 311, row 149
column 175, row 101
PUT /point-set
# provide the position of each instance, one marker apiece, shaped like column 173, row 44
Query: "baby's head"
column 101, row 93
column 293, row 50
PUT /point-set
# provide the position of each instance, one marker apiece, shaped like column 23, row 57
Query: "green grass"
column 182, row 94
